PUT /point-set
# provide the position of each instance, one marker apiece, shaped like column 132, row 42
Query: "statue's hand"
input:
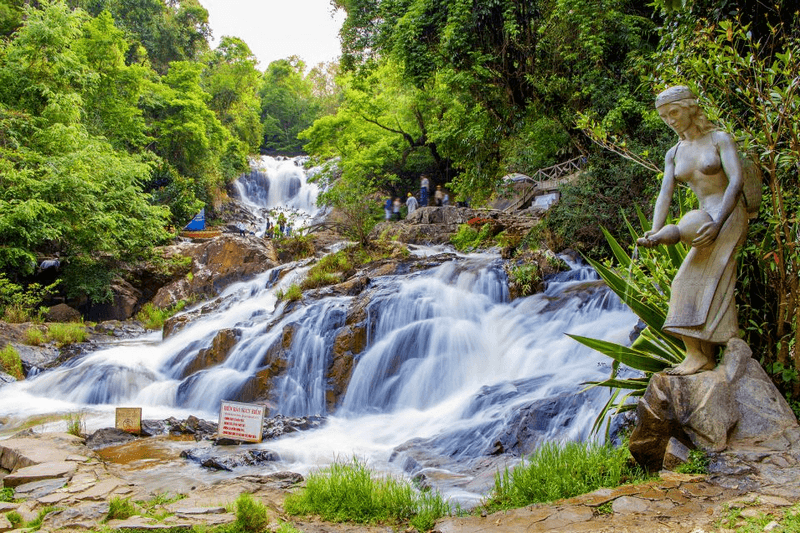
column 645, row 242
column 707, row 234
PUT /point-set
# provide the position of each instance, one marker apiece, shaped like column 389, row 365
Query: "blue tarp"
column 198, row 222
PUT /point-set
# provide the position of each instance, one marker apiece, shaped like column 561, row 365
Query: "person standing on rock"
column 438, row 196
column 396, row 208
column 423, row 190
column 411, row 203
column 387, row 208
column 702, row 311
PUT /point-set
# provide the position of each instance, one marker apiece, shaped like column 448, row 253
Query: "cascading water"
column 453, row 373
column 279, row 185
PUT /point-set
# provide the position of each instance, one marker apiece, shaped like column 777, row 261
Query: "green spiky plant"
column 643, row 284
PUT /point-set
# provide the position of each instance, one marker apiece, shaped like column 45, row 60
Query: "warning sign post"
column 129, row 419
column 241, row 421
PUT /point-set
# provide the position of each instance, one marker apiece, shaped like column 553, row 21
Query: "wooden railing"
column 556, row 172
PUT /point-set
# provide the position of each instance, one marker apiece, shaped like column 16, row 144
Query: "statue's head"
column 682, row 96
column 678, row 93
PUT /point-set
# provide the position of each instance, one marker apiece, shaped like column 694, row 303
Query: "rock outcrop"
column 215, row 265
column 734, row 405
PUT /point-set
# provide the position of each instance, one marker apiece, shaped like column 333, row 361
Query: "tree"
column 288, row 105
column 232, row 81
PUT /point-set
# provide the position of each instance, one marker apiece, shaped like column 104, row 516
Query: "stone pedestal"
column 734, row 403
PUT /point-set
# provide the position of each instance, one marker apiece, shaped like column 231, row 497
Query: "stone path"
column 57, row 470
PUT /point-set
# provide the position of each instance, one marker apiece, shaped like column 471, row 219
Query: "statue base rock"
column 736, row 404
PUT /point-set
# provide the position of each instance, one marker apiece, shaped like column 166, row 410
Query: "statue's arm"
column 729, row 156
column 665, row 195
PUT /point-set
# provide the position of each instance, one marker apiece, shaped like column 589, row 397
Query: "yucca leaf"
column 621, row 255
column 633, row 298
column 625, row 355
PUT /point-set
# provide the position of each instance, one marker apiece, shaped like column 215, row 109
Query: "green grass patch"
column 153, row 317
column 350, row 492
column 10, row 362
column 697, row 463
column 36, row 523
column 558, row 471
column 15, row 518
column 473, row 236
column 291, row 294
column 35, row 336
column 120, row 509
column 7, row 494
column 67, row 333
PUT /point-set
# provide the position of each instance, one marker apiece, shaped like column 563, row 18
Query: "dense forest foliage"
column 118, row 123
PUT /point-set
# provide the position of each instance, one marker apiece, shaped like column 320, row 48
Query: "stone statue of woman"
column 702, row 311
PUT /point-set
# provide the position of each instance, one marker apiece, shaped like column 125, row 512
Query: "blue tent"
column 198, row 222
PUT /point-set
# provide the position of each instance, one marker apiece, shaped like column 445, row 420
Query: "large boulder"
column 216, row 264
column 736, row 404
column 62, row 313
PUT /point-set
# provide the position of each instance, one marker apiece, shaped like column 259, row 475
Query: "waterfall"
column 452, row 368
column 279, row 185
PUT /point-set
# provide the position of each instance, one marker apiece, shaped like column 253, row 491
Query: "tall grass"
column 557, row 471
column 76, row 423
column 35, row 336
column 349, row 492
column 120, row 509
column 67, row 332
column 10, row 362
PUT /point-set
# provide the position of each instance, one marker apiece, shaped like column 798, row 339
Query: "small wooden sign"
column 241, row 421
column 129, row 419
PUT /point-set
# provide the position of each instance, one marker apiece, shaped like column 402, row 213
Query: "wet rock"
column 197, row 427
column 62, row 313
column 119, row 330
column 280, row 425
column 278, row 480
column 37, row 357
column 215, row 265
column 216, row 461
column 220, row 348
column 105, row 437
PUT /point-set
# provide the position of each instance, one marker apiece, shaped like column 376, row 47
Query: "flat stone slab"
column 39, row 472
column 19, row 452
column 38, row 489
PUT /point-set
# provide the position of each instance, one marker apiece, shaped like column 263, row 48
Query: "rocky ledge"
column 58, row 471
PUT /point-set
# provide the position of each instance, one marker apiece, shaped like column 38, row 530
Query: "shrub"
column 349, row 492
column 67, row 333
column 295, row 247
column 558, row 471
column 524, row 279
column 153, row 317
column 10, row 362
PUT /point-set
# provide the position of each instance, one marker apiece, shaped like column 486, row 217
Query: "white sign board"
column 241, row 421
